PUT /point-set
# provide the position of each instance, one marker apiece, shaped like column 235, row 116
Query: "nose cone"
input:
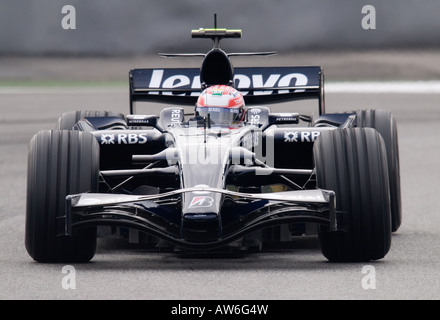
column 201, row 205
column 201, row 217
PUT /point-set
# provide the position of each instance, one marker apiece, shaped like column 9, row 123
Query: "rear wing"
column 259, row 85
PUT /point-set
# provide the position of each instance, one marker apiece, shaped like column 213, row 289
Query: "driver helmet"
column 224, row 104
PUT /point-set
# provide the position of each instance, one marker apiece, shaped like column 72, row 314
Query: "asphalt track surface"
column 297, row 271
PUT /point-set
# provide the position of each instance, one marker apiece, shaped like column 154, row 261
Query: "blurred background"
column 113, row 27
column 112, row 36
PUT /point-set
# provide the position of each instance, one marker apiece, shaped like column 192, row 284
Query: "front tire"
column 384, row 122
column 353, row 163
column 59, row 163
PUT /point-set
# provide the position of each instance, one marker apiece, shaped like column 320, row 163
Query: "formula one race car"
column 229, row 175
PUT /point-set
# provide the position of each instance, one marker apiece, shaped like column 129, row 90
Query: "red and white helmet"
column 224, row 104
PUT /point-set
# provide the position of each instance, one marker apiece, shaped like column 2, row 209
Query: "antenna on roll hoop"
column 217, row 39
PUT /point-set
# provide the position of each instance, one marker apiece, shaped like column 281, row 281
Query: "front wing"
column 154, row 214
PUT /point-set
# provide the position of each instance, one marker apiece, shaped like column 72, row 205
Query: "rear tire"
column 352, row 163
column 384, row 122
column 68, row 119
column 59, row 163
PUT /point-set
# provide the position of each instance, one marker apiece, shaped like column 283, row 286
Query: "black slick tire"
column 59, row 163
column 352, row 163
column 383, row 121
column 68, row 119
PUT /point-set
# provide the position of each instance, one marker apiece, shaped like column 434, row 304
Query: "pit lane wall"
column 114, row 27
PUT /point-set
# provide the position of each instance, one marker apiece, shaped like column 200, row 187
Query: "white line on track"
column 62, row 90
column 402, row 87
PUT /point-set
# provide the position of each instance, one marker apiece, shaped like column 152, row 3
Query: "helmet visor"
column 221, row 116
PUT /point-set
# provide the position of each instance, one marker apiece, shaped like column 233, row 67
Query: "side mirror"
column 171, row 116
column 258, row 116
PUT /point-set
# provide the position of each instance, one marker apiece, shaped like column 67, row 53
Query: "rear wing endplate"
column 259, row 85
